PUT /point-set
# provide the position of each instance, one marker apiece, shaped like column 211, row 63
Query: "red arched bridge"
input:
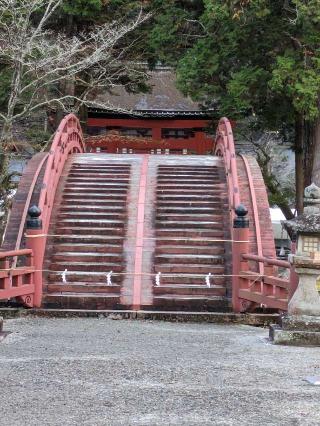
column 140, row 231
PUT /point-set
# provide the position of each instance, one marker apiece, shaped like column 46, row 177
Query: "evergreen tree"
column 254, row 58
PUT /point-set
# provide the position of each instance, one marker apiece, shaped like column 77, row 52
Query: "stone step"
column 116, row 198
column 86, row 266
column 99, row 164
column 202, row 225
column 199, row 290
column 186, row 197
column 187, row 210
column 91, row 168
column 69, row 190
column 190, row 232
column 89, row 215
column 97, row 184
column 88, row 202
column 194, row 250
column 188, row 241
column 165, row 203
column 190, row 279
column 82, row 240
column 84, row 276
column 188, row 168
column 187, row 176
column 100, row 180
column 81, row 230
column 196, row 303
column 72, row 257
column 89, row 301
column 175, row 258
column 192, row 190
column 97, row 175
column 92, row 222
column 195, row 269
column 189, row 185
column 186, row 215
column 101, row 172
column 78, row 287
column 109, row 209
column 88, row 247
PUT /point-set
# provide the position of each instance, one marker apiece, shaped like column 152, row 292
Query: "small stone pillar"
column 301, row 325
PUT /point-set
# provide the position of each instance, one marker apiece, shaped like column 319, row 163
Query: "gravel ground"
column 107, row 372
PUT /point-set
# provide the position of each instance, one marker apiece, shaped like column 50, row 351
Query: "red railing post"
column 240, row 246
column 36, row 242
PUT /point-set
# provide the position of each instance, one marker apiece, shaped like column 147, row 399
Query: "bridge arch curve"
column 175, row 204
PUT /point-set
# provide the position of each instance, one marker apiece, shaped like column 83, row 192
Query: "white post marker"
column 109, row 280
column 64, row 276
column 208, row 280
column 158, row 277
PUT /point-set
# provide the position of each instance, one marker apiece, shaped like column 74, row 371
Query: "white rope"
column 158, row 276
column 64, row 276
column 109, row 281
column 208, row 280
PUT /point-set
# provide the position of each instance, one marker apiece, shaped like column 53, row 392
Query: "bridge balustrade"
column 19, row 280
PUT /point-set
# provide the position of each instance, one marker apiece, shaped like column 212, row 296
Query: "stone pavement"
column 106, row 372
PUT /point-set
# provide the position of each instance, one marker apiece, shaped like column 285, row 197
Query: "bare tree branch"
column 40, row 60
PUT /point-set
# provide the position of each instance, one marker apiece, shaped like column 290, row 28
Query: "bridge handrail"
column 13, row 253
column 266, row 260
column 17, row 282
column 68, row 137
column 27, row 204
column 266, row 289
column 67, row 140
column 255, row 212
column 224, row 147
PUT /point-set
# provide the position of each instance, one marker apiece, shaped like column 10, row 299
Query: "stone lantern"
column 301, row 325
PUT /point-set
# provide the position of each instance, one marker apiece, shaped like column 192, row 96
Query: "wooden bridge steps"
column 183, row 234
column 185, row 264
column 90, row 237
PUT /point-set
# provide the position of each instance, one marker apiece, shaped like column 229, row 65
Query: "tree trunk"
column 315, row 175
column 5, row 138
column 299, row 162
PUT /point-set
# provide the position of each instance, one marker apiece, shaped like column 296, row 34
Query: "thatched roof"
column 164, row 98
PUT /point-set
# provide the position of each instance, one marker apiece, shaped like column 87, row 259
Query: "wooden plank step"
column 175, row 258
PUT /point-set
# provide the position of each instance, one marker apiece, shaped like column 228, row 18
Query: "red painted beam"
column 148, row 124
column 137, row 280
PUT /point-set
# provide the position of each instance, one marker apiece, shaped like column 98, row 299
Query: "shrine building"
column 160, row 122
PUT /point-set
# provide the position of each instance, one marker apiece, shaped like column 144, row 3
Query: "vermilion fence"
column 264, row 290
column 17, row 281
column 26, row 281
